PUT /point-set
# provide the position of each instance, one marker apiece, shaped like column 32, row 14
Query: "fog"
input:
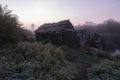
column 109, row 30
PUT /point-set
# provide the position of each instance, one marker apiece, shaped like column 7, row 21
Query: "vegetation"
column 10, row 31
column 32, row 60
column 27, row 59
column 9, row 26
column 109, row 26
column 106, row 70
column 35, row 61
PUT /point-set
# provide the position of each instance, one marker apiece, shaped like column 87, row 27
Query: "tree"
column 9, row 26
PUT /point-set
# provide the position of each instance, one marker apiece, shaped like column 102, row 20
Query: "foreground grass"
column 37, row 61
column 106, row 70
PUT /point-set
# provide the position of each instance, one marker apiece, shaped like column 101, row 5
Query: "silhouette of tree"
column 9, row 26
column 109, row 26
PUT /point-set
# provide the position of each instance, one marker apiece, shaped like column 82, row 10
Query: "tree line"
column 108, row 26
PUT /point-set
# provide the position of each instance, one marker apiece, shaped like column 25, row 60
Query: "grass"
column 33, row 61
column 106, row 70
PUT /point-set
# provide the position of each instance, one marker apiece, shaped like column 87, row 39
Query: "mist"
column 109, row 30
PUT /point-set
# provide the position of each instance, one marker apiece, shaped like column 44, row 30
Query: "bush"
column 106, row 70
column 35, row 61
column 9, row 26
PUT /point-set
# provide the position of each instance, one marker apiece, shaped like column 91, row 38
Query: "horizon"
column 78, row 12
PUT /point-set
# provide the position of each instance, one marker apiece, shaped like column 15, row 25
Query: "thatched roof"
column 55, row 27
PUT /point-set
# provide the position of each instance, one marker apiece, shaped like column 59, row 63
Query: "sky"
column 78, row 11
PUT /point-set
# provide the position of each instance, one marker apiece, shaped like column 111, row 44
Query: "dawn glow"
column 78, row 11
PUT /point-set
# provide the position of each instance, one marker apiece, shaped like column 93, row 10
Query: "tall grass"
column 35, row 61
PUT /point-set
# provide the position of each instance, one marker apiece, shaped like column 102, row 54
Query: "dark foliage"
column 35, row 61
column 9, row 26
column 106, row 70
column 109, row 26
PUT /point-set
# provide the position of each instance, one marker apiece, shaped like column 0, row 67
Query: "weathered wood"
column 63, row 33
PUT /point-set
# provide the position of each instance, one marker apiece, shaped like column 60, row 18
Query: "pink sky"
column 78, row 11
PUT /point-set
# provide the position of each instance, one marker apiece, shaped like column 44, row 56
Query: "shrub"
column 26, row 35
column 9, row 26
column 106, row 70
column 35, row 61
